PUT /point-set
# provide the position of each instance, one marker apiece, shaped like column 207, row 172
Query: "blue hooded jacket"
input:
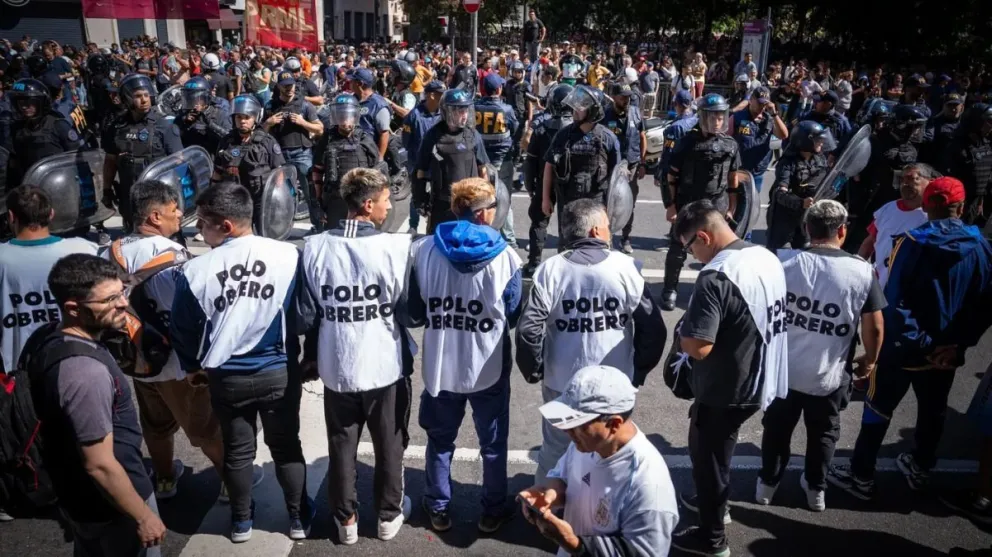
column 939, row 292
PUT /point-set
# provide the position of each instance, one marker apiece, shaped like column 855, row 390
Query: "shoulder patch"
column 73, row 136
column 276, row 148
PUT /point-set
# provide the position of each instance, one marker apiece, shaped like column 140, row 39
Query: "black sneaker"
column 842, row 477
column 489, row 523
column 668, row 299
column 690, row 541
column 440, row 521
column 970, row 504
column 529, row 269
column 916, row 478
column 691, row 502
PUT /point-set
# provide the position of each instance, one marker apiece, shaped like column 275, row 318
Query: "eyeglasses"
column 113, row 298
column 688, row 245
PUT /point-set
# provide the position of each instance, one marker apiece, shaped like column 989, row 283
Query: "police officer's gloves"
column 109, row 199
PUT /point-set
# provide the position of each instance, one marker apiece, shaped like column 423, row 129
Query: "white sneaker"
column 816, row 499
column 388, row 530
column 198, row 237
column 4, row 517
column 763, row 493
column 348, row 535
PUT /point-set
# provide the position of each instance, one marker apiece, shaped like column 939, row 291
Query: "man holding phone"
column 613, row 483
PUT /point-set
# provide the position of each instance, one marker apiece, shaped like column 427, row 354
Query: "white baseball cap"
column 592, row 392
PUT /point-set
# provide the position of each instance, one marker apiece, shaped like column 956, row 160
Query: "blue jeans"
column 302, row 159
column 441, row 416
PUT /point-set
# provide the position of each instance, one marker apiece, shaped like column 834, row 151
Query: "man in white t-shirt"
column 896, row 217
column 613, row 483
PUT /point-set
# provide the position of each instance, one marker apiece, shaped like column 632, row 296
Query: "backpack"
column 678, row 367
column 142, row 348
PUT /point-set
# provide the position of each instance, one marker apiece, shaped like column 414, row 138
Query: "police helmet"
column 344, row 111
column 977, row 119
column 196, row 93
column 133, row 83
column 556, row 100
column 246, row 105
column 211, row 61
column 36, row 65
column 713, row 113
column 590, row 100
column 410, row 57
column 517, row 66
column 457, row 108
column 97, row 64
column 292, row 64
column 30, row 92
column 907, row 122
column 811, row 137
column 402, row 72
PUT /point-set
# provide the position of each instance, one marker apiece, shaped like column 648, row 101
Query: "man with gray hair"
column 588, row 306
column 829, row 293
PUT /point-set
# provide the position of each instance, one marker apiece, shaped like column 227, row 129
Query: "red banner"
column 151, row 9
column 282, row 23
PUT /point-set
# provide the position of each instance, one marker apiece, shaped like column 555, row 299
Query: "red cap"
column 948, row 190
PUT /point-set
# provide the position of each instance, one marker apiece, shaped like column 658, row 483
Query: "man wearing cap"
column 294, row 122
column 415, row 126
column 939, row 297
column 375, row 113
column 940, row 129
column 913, row 93
column 613, row 483
column 824, row 114
column 753, row 127
column 497, row 123
column 624, row 120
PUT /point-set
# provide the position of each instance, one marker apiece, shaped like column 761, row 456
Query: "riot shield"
column 849, row 164
column 170, row 101
column 74, row 182
column 619, row 197
column 278, row 204
column 502, row 197
column 748, row 208
column 188, row 171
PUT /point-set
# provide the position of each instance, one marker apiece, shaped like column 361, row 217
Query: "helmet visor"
column 344, row 115
column 459, row 117
column 579, row 100
column 824, row 142
column 713, row 121
column 195, row 99
column 247, row 106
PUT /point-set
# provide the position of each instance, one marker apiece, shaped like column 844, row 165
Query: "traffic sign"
column 472, row 6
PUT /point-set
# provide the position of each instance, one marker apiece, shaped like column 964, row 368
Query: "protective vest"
column 206, row 131
column 493, row 124
column 706, row 169
column 453, row 160
column 344, row 154
column 627, row 131
column 890, row 221
column 32, row 144
column 580, row 171
column 357, row 282
column 252, row 160
column 466, row 319
column 138, row 143
column 369, row 108
column 288, row 134
column 590, row 319
column 516, row 96
column 752, row 271
column 826, row 291
column 24, row 296
column 974, row 168
column 415, row 126
column 754, row 139
column 241, row 286
column 158, row 290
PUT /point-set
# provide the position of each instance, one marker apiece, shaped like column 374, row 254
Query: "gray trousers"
column 554, row 444
column 117, row 538
column 533, row 48
column 504, row 168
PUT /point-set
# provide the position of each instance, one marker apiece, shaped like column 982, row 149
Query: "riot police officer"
column 969, row 158
column 68, row 109
column 402, row 101
column 199, row 122
column 625, row 121
column 452, row 151
column 546, row 126
column 415, row 126
column 37, row 131
column 823, row 113
column 703, row 166
column 582, row 155
column 497, row 124
column 794, row 188
column 341, row 148
column 135, row 139
column 941, row 128
column 220, row 84
column 247, row 153
column 685, row 120
column 293, row 121
column 518, row 94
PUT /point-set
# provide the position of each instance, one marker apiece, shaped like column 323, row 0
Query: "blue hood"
column 945, row 233
column 467, row 245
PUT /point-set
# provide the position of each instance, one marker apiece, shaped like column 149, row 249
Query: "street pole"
column 451, row 38
column 475, row 40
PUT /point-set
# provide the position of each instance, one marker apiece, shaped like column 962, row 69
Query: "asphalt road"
column 897, row 523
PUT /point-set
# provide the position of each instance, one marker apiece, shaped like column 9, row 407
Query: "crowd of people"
column 893, row 259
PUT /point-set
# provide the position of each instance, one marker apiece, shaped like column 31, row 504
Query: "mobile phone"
column 531, row 509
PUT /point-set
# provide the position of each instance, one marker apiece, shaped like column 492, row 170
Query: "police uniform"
column 673, row 133
column 628, row 128
column 356, row 275
column 220, row 84
column 702, row 166
column 296, row 143
column 447, row 157
column 583, row 162
column 754, row 139
column 795, row 181
column 137, row 143
column 415, row 126
column 516, row 94
column 206, row 130
column 880, row 181
column 543, row 131
column 969, row 159
column 24, row 295
column 940, row 131
column 335, row 155
column 73, row 114
column 374, row 121
column 837, row 123
column 249, row 163
column 29, row 143
column 497, row 124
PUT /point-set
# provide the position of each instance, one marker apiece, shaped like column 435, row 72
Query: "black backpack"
column 678, row 367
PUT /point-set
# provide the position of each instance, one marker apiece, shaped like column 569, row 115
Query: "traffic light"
column 442, row 21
